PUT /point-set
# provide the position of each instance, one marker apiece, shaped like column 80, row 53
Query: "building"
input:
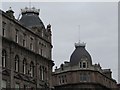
column 118, row 86
column 26, row 50
column 79, row 72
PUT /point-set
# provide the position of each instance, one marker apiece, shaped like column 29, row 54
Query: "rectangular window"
column 25, row 87
column 59, row 80
column 42, row 73
column 84, row 77
column 16, row 36
column 16, row 66
column 31, row 43
column 17, row 86
column 24, row 40
column 42, row 33
column 87, row 65
column 65, row 79
column 84, row 65
column 3, row 28
column 4, row 84
column 62, row 79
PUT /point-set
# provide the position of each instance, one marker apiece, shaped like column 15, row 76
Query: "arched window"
column 17, row 63
column 4, row 57
column 42, row 72
column 31, row 69
column 24, row 66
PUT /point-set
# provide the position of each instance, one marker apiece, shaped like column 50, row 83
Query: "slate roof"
column 31, row 19
column 78, row 53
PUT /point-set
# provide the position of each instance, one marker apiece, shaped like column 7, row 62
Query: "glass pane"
column 4, row 83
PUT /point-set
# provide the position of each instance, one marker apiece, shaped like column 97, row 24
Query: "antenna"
column 29, row 3
column 79, row 33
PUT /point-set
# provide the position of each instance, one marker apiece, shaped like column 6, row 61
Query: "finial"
column 10, row 8
column 79, row 44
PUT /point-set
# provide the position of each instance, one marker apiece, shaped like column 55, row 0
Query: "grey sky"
column 98, row 28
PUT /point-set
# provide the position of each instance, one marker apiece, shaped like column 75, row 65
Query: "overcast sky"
column 98, row 28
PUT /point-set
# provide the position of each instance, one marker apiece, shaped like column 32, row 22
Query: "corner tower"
column 30, row 19
column 80, row 55
column 80, row 73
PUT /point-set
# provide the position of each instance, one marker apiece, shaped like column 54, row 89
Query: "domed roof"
column 79, row 53
column 30, row 18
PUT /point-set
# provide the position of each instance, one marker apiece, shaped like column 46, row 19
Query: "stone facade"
column 81, row 73
column 26, row 53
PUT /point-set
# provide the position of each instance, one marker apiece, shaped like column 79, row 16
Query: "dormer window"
column 80, row 65
column 84, row 64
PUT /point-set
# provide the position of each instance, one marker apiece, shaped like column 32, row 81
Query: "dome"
column 79, row 53
column 30, row 18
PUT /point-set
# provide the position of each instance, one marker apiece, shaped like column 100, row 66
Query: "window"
column 62, row 79
column 16, row 36
column 25, row 87
column 4, row 56
column 17, row 86
column 42, row 73
column 84, row 64
column 80, row 65
column 41, row 48
column 24, row 40
column 31, row 69
column 59, row 80
column 16, row 63
column 84, row 77
column 87, row 65
column 3, row 31
column 24, row 66
column 42, row 33
column 4, row 84
column 65, row 79
column 31, row 43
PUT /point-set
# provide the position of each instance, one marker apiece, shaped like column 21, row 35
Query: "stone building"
column 26, row 50
column 81, row 73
